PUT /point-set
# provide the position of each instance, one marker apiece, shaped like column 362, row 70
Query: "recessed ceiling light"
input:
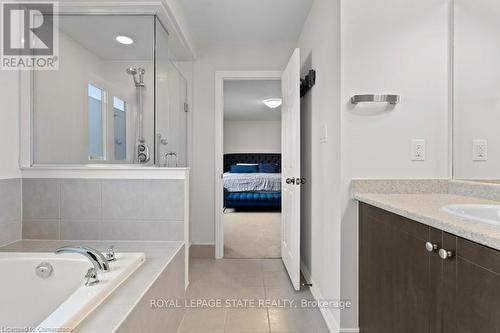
column 124, row 40
column 273, row 103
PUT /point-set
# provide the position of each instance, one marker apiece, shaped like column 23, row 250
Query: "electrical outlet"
column 418, row 150
column 479, row 150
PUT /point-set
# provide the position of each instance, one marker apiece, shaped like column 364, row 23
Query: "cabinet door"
column 411, row 291
column 442, row 285
column 478, row 288
column 375, row 271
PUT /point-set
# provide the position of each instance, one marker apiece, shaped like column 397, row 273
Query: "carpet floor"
column 252, row 235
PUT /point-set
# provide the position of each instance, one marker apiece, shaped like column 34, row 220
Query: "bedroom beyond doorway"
column 252, row 169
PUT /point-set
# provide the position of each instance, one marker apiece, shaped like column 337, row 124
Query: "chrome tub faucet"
column 97, row 259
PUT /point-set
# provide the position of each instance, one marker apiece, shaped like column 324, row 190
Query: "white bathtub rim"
column 70, row 313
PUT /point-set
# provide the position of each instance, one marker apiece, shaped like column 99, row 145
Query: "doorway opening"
column 251, row 217
column 287, row 162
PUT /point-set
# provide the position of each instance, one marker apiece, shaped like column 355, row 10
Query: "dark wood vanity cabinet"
column 405, row 288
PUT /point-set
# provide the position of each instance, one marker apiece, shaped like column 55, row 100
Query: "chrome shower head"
column 137, row 75
column 131, row 71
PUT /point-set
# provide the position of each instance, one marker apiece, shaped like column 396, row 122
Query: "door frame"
column 220, row 77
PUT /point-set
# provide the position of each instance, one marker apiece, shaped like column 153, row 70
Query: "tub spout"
column 96, row 258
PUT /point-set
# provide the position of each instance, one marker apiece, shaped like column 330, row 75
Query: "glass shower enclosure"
column 117, row 98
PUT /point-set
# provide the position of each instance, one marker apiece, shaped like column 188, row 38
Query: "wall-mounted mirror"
column 476, row 134
column 117, row 97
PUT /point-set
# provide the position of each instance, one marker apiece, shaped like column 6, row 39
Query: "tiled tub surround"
column 424, row 206
column 127, row 309
column 103, row 209
column 10, row 210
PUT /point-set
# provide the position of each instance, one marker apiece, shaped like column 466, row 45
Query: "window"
column 96, row 140
column 120, row 129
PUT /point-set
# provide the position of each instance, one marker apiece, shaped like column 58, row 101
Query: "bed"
column 254, row 190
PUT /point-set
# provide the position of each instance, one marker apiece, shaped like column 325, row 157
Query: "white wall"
column 477, row 85
column 320, row 211
column 391, row 46
column 259, row 57
column 252, row 136
column 9, row 124
column 401, row 49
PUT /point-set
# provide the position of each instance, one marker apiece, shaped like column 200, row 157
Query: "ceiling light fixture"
column 273, row 103
column 124, row 40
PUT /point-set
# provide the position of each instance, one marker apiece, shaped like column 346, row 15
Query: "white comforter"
column 252, row 182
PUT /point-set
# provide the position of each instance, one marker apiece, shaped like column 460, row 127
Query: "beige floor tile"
column 247, row 320
column 203, row 320
column 272, row 265
column 238, row 265
column 237, row 279
column 231, row 279
column 295, row 320
column 276, row 279
column 287, row 292
column 223, row 291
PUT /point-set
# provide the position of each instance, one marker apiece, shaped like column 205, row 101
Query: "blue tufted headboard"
column 232, row 159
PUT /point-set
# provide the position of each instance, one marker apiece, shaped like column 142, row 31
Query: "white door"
column 290, row 164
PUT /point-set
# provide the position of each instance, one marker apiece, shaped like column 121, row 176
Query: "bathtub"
column 57, row 303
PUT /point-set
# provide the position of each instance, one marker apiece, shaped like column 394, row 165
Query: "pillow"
column 244, row 169
column 268, row 168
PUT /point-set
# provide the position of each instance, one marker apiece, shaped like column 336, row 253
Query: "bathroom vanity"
column 414, row 277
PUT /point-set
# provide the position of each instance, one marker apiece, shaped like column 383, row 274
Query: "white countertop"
column 109, row 315
column 426, row 208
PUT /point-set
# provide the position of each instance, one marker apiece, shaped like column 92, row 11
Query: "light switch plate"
column 324, row 134
column 479, row 150
column 418, row 150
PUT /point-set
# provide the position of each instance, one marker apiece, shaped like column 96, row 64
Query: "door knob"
column 290, row 180
column 445, row 254
column 431, row 247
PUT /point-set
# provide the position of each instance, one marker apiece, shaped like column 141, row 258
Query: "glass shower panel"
column 72, row 127
column 171, row 107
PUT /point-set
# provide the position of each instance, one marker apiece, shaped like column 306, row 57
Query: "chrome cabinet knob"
column 431, row 247
column 445, row 254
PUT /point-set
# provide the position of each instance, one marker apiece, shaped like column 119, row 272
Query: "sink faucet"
column 96, row 258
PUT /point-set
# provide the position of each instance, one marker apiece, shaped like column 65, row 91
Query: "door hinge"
column 307, row 83
column 186, row 107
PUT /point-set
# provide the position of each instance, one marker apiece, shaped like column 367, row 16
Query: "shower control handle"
column 143, row 155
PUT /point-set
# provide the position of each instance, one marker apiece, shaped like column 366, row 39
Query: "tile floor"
column 238, row 282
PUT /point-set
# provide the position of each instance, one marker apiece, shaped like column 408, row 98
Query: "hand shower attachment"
column 141, row 149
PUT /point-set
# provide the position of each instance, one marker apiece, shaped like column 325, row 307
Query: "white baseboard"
column 331, row 322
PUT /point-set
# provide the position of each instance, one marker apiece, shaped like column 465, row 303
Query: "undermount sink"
column 482, row 213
